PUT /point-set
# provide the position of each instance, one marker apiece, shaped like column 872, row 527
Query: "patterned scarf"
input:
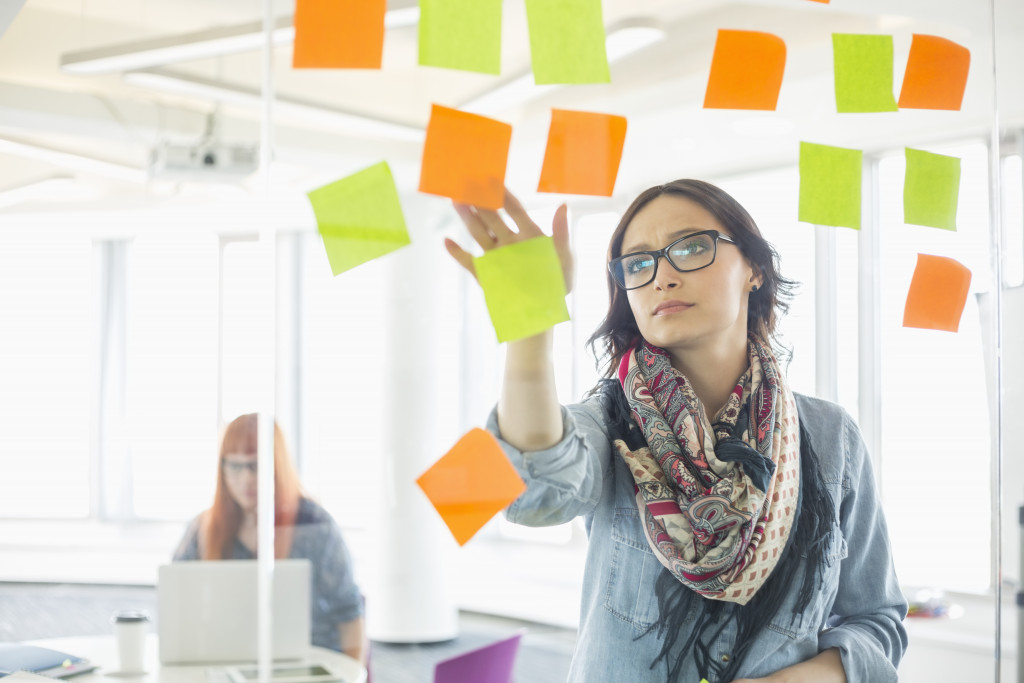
column 717, row 500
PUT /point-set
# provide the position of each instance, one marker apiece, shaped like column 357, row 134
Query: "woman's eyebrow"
column 643, row 246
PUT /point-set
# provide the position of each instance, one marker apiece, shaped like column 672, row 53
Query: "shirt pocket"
column 632, row 573
column 813, row 618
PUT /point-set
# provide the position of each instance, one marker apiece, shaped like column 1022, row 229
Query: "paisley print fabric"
column 717, row 497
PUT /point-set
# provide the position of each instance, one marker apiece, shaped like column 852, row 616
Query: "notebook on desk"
column 19, row 657
column 207, row 611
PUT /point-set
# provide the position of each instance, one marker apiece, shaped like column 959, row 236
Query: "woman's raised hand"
column 490, row 231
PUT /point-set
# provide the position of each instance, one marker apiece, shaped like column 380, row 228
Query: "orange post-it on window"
column 339, row 34
column 936, row 74
column 472, row 482
column 746, row 71
column 464, row 157
column 583, row 153
column 938, row 293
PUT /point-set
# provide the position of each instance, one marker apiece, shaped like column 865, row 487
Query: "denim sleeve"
column 188, row 547
column 336, row 596
column 565, row 480
column 868, row 612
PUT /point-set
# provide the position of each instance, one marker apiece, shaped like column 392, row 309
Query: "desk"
column 102, row 650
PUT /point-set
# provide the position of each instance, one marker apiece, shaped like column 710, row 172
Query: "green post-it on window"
column 524, row 288
column 863, row 73
column 830, row 184
column 359, row 217
column 567, row 41
column 931, row 189
column 461, row 34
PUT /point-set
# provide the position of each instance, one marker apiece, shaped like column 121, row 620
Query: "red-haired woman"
column 302, row 529
column 735, row 528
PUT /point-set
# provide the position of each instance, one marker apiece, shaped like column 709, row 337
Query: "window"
column 47, row 365
column 771, row 199
column 170, row 427
column 936, row 449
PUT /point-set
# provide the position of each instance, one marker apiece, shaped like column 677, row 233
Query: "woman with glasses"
column 735, row 528
column 302, row 529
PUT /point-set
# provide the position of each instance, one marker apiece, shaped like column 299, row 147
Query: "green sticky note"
column 359, row 217
column 461, row 34
column 524, row 287
column 567, row 42
column 830, row 182
column 863, row 72
column 931, row 189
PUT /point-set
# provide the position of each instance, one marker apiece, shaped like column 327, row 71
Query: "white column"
column 409, row 596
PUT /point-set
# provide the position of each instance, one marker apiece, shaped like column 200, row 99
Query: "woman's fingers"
column 560, row 235
column 464, row 258
column 477, row 229
column 496, row 226
column 517, row 213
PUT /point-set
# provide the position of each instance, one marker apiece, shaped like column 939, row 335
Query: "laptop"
column 207, row 611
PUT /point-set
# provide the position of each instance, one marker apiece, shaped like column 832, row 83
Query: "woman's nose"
column 666, row 277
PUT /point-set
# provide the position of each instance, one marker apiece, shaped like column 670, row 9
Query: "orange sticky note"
column 938, row 293
column 465, row 156
column 746, row 71
column 822, row 1
column 936, row 74
column 472, row 482
column 339, row 34
column 583, row 153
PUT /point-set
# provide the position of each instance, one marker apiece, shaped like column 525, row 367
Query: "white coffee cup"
column 130, row 628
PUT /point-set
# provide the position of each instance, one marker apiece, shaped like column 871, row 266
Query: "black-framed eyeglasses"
column 691, row 252
column 236, row 468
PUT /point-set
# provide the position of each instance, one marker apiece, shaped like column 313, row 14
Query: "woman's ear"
column 756, row 280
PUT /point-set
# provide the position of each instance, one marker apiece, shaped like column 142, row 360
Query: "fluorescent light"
column 198, row 45
column 624, row 38
column 54, row 188
column 176, row 83
column 74, row 162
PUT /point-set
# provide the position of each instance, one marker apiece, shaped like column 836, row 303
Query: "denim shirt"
column 859, row 609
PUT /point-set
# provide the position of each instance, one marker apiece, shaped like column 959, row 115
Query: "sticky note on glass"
column 524, row 287
column 830, row 185
column 938, row 293
column 461, row 34
column 472, row 482
column 931, row 189
column 359, row 217
column 936, row 74
column 338, row 34
column 567, row 41
column 863, row 72
column 746, row 71
column 583, row 153
column 465, row 156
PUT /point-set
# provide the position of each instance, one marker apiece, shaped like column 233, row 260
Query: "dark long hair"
column 618, row 331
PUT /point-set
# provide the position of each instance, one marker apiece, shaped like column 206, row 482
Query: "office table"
column 102, row 650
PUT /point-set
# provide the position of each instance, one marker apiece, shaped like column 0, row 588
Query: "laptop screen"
column 207, row 611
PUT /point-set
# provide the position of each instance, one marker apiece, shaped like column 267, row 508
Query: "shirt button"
column 725, row 658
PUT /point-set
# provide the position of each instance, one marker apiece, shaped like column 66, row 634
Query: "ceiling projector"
column 200, row 162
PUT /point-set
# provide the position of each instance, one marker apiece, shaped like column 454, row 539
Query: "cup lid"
column 130, row 615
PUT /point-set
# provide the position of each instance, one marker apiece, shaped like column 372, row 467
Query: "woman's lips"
column 669, row 307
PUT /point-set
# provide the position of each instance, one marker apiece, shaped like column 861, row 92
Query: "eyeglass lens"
column 236, row 468
column 691, row 253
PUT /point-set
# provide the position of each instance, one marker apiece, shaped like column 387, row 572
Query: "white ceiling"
column 660, row 89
